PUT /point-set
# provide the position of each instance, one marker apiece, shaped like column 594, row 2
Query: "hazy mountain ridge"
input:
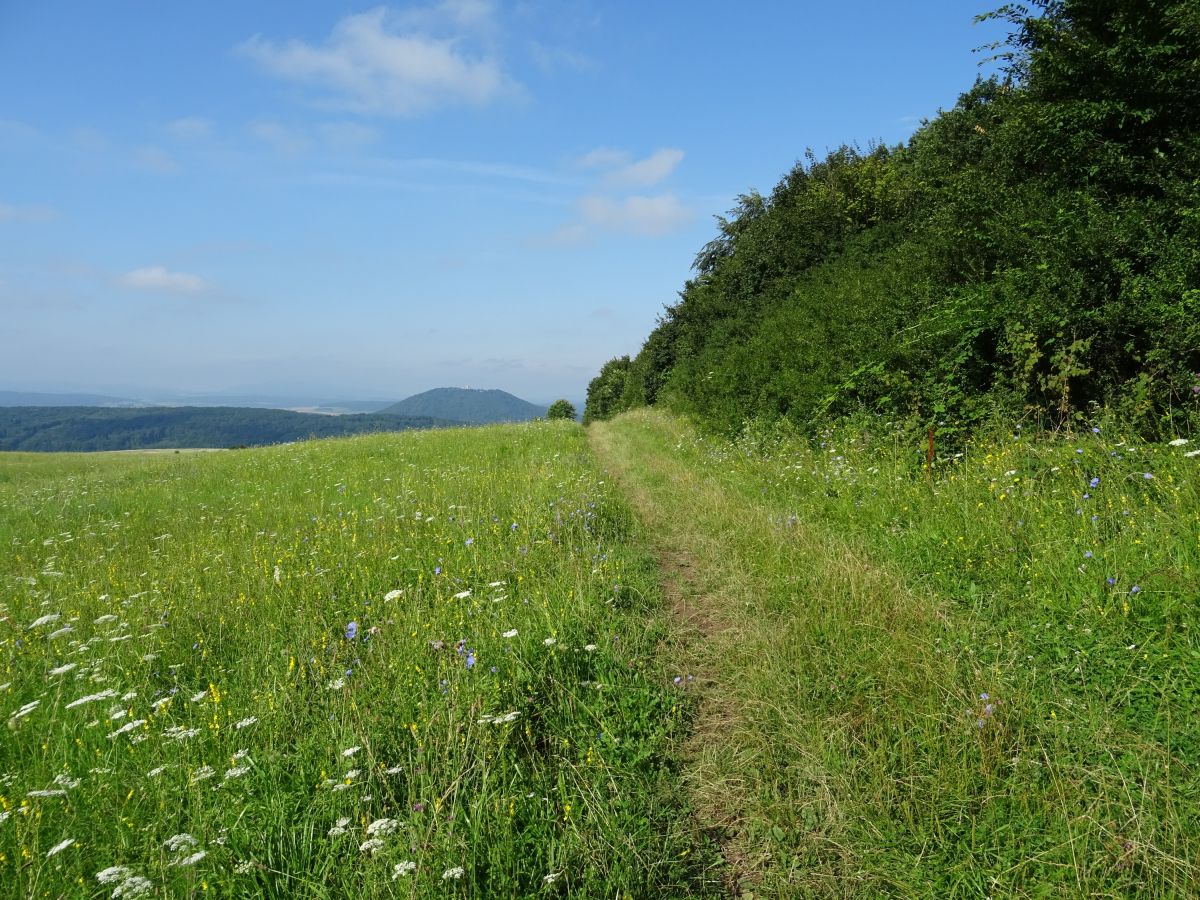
column 82, row 428
column 470, row 406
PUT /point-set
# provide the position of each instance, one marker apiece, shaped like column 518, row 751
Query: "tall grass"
column 983, row 683
column 401, row 665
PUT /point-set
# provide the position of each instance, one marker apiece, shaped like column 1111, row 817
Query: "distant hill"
column 466, row 405
column 82, row 428
column 30, row 398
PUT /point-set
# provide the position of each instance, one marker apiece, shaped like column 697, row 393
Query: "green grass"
column 245, row 739
column 933, row 688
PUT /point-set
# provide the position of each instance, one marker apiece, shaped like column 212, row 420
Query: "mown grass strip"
column 910, row 707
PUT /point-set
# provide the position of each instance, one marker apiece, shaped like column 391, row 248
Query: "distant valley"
column 96, row 422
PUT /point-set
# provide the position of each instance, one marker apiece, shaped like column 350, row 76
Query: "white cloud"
column 646, row 172
column 637, row 215
column 397, row 64
column 10, row 213
column 190, row 128
column 155, row 159
column 157, row 278
column 284, row 139
column 603, row 158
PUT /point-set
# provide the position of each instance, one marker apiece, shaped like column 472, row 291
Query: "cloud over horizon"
column 395, row 64
column 158, row 278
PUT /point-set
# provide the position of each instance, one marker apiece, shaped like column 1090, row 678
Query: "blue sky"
column 364, row 201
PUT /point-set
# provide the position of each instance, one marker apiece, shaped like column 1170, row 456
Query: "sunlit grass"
column 402, row 665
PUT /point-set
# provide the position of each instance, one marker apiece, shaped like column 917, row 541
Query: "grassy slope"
column 934, row 689
column 208, row 599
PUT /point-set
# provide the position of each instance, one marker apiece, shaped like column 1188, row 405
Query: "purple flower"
column 1087, row 554
column 1095, row 482
column 1110, row 581
column 437, row 570
column 1135, row 590
column 470, row 659
column 351, row 631
column 1095, row 430
column 470, row 541
column 983, row 696
column 1147, row 475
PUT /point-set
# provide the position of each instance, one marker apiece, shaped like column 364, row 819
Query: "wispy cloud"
column 396, row 64
column 10, row 213
column 155, row 159
column 637, row 215
column 158, row 278
column 190, row 128
column 622, row 170
column 280, row 137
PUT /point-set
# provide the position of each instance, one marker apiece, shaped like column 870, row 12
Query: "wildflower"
column 1135, row 589
column 1192, row 453
column 1147, row 476
column 181, row 841
column 1110, row 581
column 62, row 670
column 462, row 595
column 235, row 772
column 350, row 751
column 190, row 860
column 128, row 726
column 470, row 659
column 244, row 867
column 550, row 642
column 203, row 773
column 45, row 620
column 370, row 845
column 589, row 647
column 511, row 633
column 339, row 828
column 133, row 886
column 1094, row 482
column 403, row 868
column 351, row 631
column 59, row 847
column 245, row 723
column 1087, row 554
column 394, row 770
column 551, row 878
column 112, row 874
column 382, row 826
column 1178, row 442
column 456, row 872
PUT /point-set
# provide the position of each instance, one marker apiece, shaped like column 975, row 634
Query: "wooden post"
column 929, row 456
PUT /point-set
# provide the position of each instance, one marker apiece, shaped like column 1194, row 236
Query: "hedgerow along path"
column 862, row 731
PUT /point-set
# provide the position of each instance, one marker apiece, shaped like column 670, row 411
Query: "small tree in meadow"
column 561, row 409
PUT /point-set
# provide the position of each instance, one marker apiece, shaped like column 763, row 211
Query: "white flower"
column 159, row 704
column 128, row 726
column 1178, row 442
column 510, row 634
column 134, row 886
column 495, row 584
column 179, row 733
column 382, row 826
column 62, row 670
column 236, row 772
column 336, row 685
column 66, row 781
column 202, row 773
column 370, row 845
column 405, row 868
column 462, row 595
column 551, row 878
column 52, row 792
column 550, row 642
column 339, row 828
column 589, row 647
column 66, row 629
column 155, row 772
column 350, row 751
column 181, row 841
column 245, row 723
column 196, row 698
column 112, row 874
column 241, row 754
column 46, row 620
column 24, row 710
column 392, row 595
column 244, row 867
column 91, row 698
column 107, row 617
column 1192, row 453
column 394, row 770
column 456, row 872
column 190, row 860
column 59, row 847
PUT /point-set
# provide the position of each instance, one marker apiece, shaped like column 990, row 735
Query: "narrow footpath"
column 794, row 642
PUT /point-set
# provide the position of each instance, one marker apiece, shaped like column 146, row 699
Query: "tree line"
column 1033, row 252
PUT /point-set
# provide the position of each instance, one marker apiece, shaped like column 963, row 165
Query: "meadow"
column 387, row 666
column 980, row 681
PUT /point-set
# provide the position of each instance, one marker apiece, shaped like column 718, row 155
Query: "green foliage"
column 606, row 390
column 561, row 409
column 1035, row 249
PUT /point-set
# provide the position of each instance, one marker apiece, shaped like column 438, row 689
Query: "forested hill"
column 469, row 405
column 1033, row 252
column 66, row 428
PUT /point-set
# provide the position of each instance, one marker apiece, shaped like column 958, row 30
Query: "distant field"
column 396, row 665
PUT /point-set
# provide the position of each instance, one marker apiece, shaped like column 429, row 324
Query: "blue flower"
column 351, row 631
column 1147, row 476
column 1087, row 554
column 1135, row 590
column 1095, row 482
column 470, row 659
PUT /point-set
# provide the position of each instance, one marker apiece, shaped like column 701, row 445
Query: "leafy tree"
column 605, row 391
column 561, row 409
